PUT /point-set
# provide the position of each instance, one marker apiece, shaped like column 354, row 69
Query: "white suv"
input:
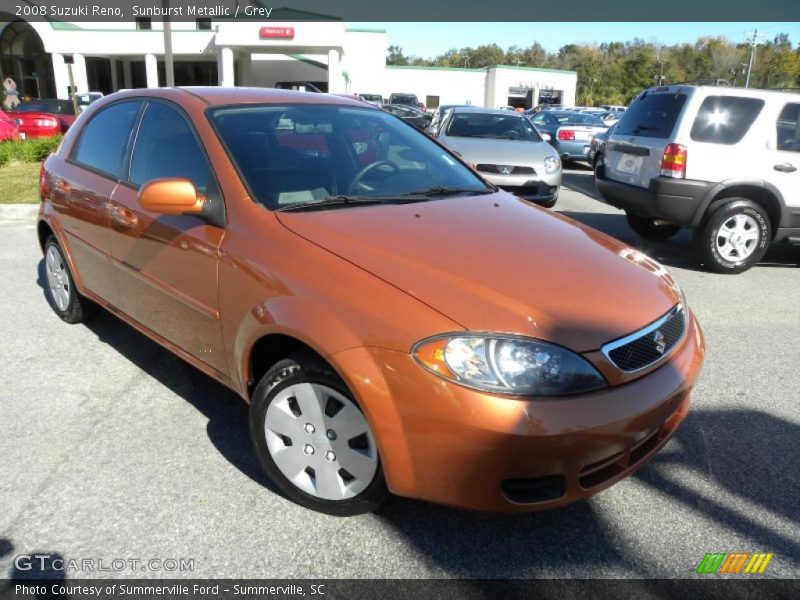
column 721, row 160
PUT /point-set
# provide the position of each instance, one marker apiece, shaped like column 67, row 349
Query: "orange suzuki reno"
column 396, row 323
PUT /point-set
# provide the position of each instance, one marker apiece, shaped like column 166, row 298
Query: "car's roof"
column 724, row 89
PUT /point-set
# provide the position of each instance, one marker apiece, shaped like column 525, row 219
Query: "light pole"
column 169, row 69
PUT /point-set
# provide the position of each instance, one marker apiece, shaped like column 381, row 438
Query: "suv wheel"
column 650, row 229
column 67, row 303
column 313, row 440
column 734, row 237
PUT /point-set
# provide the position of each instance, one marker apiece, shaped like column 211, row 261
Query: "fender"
column 711, row 194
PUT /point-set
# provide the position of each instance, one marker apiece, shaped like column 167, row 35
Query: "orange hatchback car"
column 396, row 323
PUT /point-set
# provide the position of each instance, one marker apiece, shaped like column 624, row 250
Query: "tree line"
column 614, row 72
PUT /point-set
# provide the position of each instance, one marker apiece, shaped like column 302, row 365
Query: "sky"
column 432, row 39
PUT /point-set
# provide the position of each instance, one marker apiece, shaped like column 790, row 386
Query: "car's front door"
column 167, row 265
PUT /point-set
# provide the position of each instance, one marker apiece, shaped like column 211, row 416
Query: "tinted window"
column 653, row 115
column 789, row 128
column 55, row 107
column 345, row 150
column 725, row 119
column 404, row 99
column 104, row 139
column 488, row 125
column 167, row 147
column 577, row 119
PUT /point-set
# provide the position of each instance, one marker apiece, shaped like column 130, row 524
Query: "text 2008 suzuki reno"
column 396, row 323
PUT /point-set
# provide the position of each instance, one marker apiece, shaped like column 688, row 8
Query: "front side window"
column 166, row 147
column 789, row 128
column 105, row 137
column 301, row 154
column 725, row 119
column 492, row 126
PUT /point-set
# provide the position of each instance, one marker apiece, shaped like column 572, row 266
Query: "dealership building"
column 49, row 58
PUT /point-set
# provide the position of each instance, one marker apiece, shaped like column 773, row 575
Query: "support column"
column 114, row 79
column 225, row 67
column 79, row 73
column 335, row 79
column 61, row 76
column 245, row 74
column 127, row 76
column 151, row 68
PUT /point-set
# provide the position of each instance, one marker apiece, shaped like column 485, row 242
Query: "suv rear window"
column 652, row 116
column 725, row 119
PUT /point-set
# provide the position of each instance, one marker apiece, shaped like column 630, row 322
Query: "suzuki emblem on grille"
column 506, row 169
column 660, row 341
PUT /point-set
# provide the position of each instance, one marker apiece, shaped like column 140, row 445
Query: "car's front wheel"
column 67, row 303
column 313, row 440
column 651, row 229
column 734, row 237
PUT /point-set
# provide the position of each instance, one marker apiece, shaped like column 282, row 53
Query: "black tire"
column 78, row 308
column 306, row 368
column 598, row 161
column 707, row 236
column 647, row 228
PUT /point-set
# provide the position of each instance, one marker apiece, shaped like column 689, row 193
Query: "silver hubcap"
column 320, row 441
column 57, row 278
column 737, row 238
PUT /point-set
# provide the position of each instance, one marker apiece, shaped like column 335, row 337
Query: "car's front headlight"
column 552, row 164
column 508, row 364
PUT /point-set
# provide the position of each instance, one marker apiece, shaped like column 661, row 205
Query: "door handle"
column 62, row 185
column 785, row 168
column 122, row 217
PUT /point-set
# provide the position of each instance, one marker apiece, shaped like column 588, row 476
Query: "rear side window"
column 166, row 147
column 104, row 139
column 725, row 119
column 789, row 128
column 652, row 116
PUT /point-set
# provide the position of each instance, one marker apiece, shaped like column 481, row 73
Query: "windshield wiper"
column 446, row 191
column 344, row 200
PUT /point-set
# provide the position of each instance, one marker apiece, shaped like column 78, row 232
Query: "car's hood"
column 499, row 152
column 496, row 263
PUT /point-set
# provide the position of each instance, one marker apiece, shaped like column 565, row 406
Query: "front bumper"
column 572, row 150
column 447, row 444
column 542, row 190
column 680, row 201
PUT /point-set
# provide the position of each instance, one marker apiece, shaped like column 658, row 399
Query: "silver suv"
column 720, row 160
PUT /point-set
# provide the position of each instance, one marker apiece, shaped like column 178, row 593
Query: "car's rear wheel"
column 651, row 229
column 313, row 440
column 734, row 237
column 599, row 161
column 64, row 298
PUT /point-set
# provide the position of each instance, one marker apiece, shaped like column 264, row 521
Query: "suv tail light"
column 566, row 134
column 674, row 162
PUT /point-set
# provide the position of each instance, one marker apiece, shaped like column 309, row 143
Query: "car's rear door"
column 82, row 184
column 784, row 162
column 166, row 265
column 635, row 150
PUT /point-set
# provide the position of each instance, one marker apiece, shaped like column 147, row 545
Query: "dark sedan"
column 597, row 147
column 409, row 114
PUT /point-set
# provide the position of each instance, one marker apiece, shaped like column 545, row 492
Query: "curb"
column 18, row 213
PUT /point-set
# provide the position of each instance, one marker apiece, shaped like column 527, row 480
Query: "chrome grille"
column 650, row 345
column 506, row 169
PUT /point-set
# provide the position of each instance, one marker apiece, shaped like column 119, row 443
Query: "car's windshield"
column 404, row 99
column 302, row 154
column 494, row 126
column 577, row 119
column 58, row 107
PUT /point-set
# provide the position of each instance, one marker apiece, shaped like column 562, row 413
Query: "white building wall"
column 453, row 86
column 364, row 60
column 527, row 77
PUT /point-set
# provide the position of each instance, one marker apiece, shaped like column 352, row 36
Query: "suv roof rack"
column 718, row 82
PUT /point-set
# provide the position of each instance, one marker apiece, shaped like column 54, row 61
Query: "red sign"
column 276, row 32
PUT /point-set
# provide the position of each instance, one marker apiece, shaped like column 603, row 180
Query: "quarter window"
column 105, row 138
column 167, row 147
column 725, row 119
column 789, row 128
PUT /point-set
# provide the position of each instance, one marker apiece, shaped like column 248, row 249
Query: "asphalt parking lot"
column 110, row 447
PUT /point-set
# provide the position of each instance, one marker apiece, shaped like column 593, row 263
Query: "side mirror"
column 546, row 137
column 174, row 196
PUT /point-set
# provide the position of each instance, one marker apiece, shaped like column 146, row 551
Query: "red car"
column 43, row 118
column 8, row 128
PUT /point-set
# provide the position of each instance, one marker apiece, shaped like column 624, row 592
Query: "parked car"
column 8, row 128
column 506, row 149
column 85, row 99
column 436, row 117
column 43, row 118
column 721, row 161
column 395, row 322
column 597, row 147
column 409, row 114
column 613, row 108
column 374, row 99
column 610, row 118
column 570, row 132
column 406, row 100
